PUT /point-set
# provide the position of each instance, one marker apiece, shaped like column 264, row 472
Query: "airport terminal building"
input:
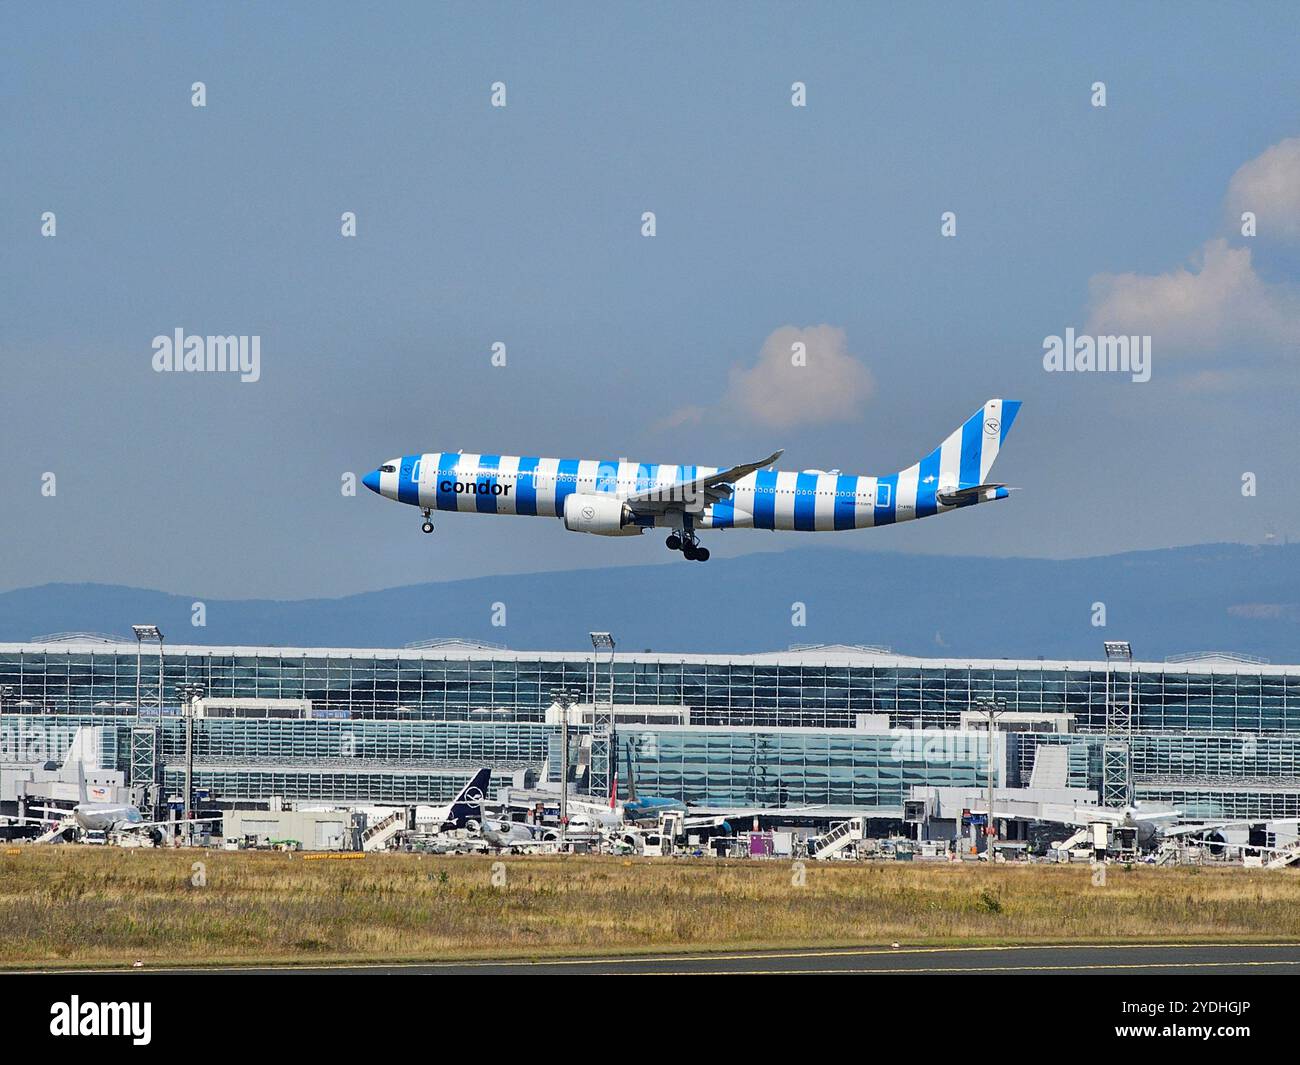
column 852, row 729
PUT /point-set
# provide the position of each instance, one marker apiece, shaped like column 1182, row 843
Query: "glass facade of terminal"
column 782, row 729
column 788, row 767
column 778, row 690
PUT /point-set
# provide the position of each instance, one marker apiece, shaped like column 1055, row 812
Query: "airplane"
column 106, row 817
column 504, row 834
column 646, row 810
column 1155, row 823
column 624, row 498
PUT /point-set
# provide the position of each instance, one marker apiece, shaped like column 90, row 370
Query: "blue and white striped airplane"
column 627, row 498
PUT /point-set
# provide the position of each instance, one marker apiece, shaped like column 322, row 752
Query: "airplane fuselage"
column 810, row 501
column 622, row 498
column 105, row 817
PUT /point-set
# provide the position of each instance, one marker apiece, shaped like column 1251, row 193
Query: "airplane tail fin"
column 631, row 777
column 470, row 797
column 956, row 473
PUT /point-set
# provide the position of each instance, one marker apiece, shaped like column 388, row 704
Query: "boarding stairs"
column 840, row 836
column 1285, row 856
column 50, row 835
column 377, row 836
column 1067, row 845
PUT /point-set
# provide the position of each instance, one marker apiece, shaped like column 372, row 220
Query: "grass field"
column 79, row 905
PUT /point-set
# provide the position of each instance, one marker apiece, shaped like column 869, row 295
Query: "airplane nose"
column 371, row 480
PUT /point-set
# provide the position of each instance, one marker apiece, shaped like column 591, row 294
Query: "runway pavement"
column 1170, row 959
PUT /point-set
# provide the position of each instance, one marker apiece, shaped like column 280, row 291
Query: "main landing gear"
column 687, row 544
column 428, row 525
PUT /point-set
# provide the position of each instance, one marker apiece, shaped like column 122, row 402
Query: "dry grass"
column 72, row 905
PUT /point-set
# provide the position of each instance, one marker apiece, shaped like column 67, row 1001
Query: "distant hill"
column 1210, row 597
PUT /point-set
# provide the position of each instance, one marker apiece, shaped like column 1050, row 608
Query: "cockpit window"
column 387, row 469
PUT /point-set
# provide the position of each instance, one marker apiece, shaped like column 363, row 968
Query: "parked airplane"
column 504, row 834
column 649, row 809
column 627, row 498
column 646, row 810
column 1154, row 822
column 89, row 816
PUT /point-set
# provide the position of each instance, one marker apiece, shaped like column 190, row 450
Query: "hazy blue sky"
column 522, row 225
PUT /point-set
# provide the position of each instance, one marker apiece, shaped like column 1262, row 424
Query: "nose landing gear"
column 428, row 525
column 688, row 545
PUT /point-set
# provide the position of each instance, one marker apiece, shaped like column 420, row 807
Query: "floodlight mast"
column 189, row 694
column 602, row 724
column 1119, row 723
column 992, row 709
column 142, row 633
column 564, row 700
column 1117, row 791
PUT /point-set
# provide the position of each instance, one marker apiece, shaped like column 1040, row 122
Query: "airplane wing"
column 695, row 495
column 1212, row 826
column 51, row 810
column 737, row 812
column 160, row 824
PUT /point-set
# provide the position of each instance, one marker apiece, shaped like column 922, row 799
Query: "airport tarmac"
column 1232, row 959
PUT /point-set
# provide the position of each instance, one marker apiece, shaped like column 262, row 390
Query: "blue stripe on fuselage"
column 886, row 488
column 566, row 483
column 927, row 485
column 846, row 506
column 486, row 502
column 408, row 491
column 765, row 500
column 526, row 487
column 445, row 498
column 805, row 502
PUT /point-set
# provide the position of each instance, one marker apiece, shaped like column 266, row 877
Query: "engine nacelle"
column 601, row 515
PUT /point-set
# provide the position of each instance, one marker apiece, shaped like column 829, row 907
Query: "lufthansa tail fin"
column 470, row 798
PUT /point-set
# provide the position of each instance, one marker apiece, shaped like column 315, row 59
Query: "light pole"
column 189, row 693
column 1118, row 722
column 564, row 699
column 992, row 709
column 604, row 641
column 142, row 633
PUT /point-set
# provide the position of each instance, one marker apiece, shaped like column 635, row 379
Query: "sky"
column 523, row 225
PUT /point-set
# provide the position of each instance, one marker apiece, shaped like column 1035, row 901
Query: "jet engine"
column 602, row 515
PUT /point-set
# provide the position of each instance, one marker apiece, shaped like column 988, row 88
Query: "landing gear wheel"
column 701, row 554
column 673, row 543
column 690, row 552
column 427, row 527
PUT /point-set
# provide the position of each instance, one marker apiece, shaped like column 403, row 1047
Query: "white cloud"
column 1269, row 185
column 1220, row 302
column 787, row 387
